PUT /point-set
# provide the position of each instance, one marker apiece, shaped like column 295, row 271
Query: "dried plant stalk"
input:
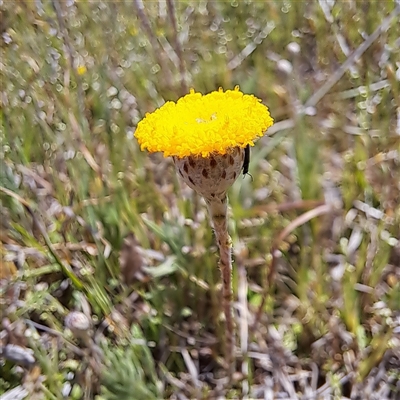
column 211, row 177
column 218, row 210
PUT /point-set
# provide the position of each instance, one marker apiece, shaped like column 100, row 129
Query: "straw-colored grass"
column 91, row 224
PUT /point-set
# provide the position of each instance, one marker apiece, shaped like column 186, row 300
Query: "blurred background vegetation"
column 109, row 281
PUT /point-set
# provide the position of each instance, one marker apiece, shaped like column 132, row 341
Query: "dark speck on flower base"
column 192, row 163
column 213, row 162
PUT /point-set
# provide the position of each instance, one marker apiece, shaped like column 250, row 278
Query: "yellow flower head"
column 198, row 125
column 81, row 69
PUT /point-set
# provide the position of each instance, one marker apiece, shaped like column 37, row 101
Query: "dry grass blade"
column 302, row 219
column 178, row 45
column 91, row 224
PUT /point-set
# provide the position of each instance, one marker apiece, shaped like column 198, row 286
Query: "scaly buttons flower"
column 201, row 125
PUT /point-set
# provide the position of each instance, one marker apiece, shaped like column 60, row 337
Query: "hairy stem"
column 218, row 210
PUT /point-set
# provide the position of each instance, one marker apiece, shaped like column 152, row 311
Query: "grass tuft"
column 91, row 224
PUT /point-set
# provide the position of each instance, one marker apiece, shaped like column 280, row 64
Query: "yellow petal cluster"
column 199, row 125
